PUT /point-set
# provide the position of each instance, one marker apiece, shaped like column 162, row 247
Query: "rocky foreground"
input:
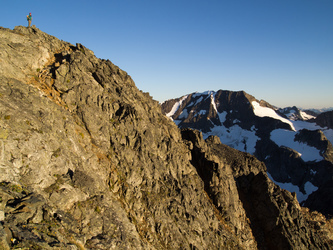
column 87, row 161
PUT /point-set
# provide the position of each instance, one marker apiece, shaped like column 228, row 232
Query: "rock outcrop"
column 272, row 213
column 87, row 161
column 325, row 119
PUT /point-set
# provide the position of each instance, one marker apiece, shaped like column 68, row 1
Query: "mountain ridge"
column 291, row 142
column 90, row 162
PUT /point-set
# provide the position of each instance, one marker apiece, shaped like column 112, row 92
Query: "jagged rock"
column 218, row 177
column 89, row 162
column 273, row 212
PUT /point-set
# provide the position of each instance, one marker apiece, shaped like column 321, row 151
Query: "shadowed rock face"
column 325, row 119
column 89, row 162
column 318, row 200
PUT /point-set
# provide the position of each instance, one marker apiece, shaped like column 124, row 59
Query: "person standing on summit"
column 29, row 18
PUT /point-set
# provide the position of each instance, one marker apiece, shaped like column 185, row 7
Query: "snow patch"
column 202, row 112
column 308, row 187
column 268, row 112
column 235, row 137
column 183, row 114
column 212, row 98
column 198, row 101
column 292, row 115
column 286, row 138
column 306, row 116
column 222, row 116
column 175, row 107
column 196, row 94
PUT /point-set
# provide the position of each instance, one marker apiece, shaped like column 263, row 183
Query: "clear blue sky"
column 277, row 50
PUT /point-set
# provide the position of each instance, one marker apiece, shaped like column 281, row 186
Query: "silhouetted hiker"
column 29, row 18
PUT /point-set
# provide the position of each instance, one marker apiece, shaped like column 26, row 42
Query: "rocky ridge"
column 90, row 162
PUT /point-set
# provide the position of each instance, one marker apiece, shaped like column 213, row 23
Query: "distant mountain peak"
column 295, row 114
column 285, row 139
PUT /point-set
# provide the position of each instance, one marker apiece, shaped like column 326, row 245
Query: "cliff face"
column 89, row 162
